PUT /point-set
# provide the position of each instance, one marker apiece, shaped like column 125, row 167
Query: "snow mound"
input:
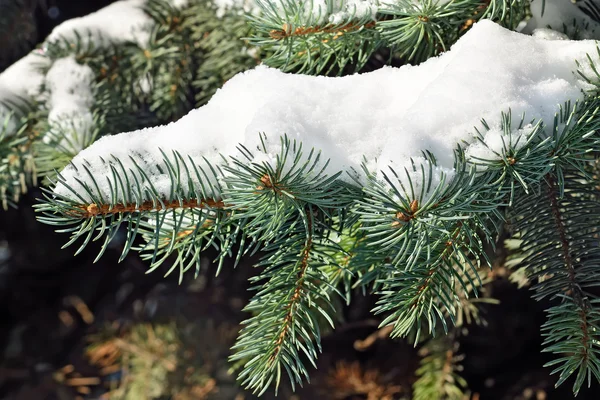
column 387, row 116
column 122, row 21
column 69, row 86
column 20, row 81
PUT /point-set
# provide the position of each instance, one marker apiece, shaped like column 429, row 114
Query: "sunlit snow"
column 386, row 116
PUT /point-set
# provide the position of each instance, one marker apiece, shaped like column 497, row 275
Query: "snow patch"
column 564, row 15
column 354, row 9
column 549, row 34
column 319, row 12
column 121, row 21
column 495, row 140
column 21, row 81
column 70, row 99
column 389, row 116
column 224, row 6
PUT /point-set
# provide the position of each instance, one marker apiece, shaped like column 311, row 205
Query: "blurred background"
column 71, row 329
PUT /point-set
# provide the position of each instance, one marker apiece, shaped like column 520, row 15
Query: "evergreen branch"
column 133, row 86
column 17, row 167
column 223, row 51
column 359, row 259
column 424, row 294
column 565, row 264
column 523, row 159
column 295, row 298
column 198, row 211
column 309, row 37
column 335, row 29
column 300, row 38
column 416, row 31
column 170, row 59
column 430, row 230
column 284, row 330
column 132, row 200
column 269, row 195
column 438, row 373
column 429, row 225
column 576, row 348
column 427, row 231
column 187, row 233
column 294, row 198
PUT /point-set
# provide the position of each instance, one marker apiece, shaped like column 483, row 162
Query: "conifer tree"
column 361, row 181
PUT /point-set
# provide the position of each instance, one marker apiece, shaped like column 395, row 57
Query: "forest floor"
column 67, row 326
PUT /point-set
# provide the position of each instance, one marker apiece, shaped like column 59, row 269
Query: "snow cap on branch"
column 20, row 81
column 121, row 21
column 69, row 86
column 319, row 12
column 224, row 6
column 388, row 116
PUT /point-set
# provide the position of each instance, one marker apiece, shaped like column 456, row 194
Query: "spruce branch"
column 424, row 294
column 17, row 167
column 133, row 201
column 296, row 179
column 223, row 49
column 438, row 373
column 134, row 85
column 284, row 330
column 523, row 159
column 433, row 238
column 300, row 38
column 421, row 231
column 316, row 38
column 564, row 266
column 431, row 234
column 416, row 31
column 421, row 239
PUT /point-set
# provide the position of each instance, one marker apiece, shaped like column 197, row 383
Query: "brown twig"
column 92, row 210
column 288, row 31
column 296, row 296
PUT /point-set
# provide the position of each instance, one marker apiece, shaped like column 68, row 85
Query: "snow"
column 70, row 99
column 180, row 3
column 224, row 6
column 495, row 140
column 389, row 116
column 69, row 102
column 318, row 12
column 353, row 9
column 13, row 78
column 121, row 21
column 68, row 95
column 549, row 34
column 562, row 14
column 21, row 80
